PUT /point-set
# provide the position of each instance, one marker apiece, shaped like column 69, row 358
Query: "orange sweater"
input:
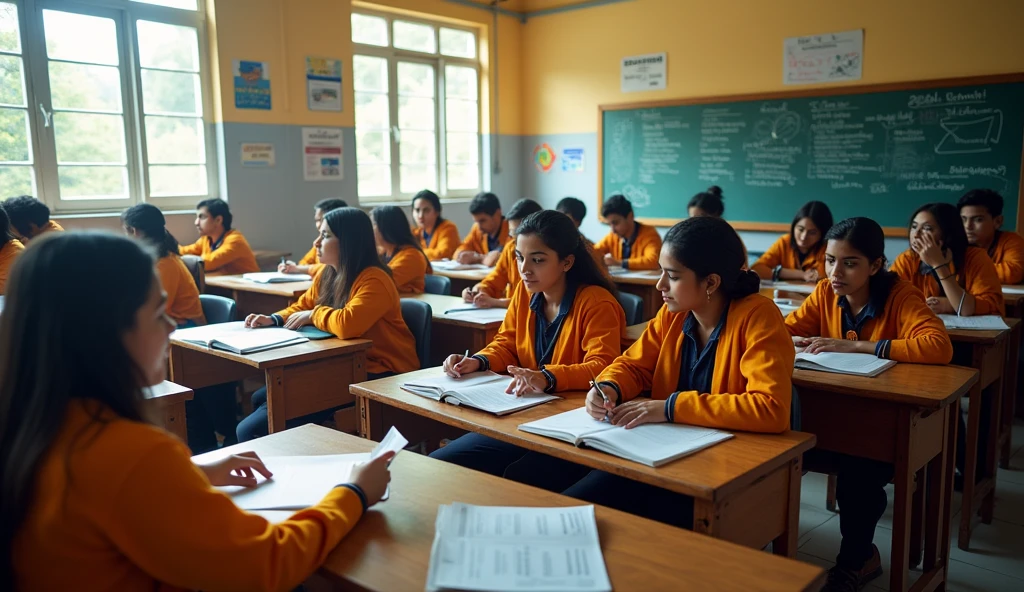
column 916, row 335
column 978, row 277
column 443, row 241
column 782, row 253
column 751, row 384
column 51, row 226
column 644, row 253
column 504, row 278
column 232, row 257
column 1007, row 253
column 9, row 252
column 120, row 506
column 373, row 312
column 476, row 240
column 408, row 269
column 590, row 338
column 182, row 294
column 312, row 261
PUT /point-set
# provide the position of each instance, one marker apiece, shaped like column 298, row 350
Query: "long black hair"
column 710, row 201
column 954, row 237
column 523, row 208
column 52, row 355
column 558, row 233
column 819, row 214
column 708, row 245
column 866, row 236
column 435, row 202
column 358, row 249
column 148, row 220
column 394, row 228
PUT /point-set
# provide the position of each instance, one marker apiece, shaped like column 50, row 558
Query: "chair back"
column 195, row 266
column 417, row 316
column 218, row 309
column 438, row 284
column 633, row 306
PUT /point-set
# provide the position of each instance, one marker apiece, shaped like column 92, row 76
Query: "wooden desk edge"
column 349, row 346
column 841, row 388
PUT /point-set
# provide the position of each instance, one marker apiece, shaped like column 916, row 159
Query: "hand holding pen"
column 456, row 365
column 598, row 403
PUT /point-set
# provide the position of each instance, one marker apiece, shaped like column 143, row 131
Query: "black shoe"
column 851, row 580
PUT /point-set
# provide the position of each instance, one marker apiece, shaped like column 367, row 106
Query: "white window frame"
column 438, row 61
column 42, row 148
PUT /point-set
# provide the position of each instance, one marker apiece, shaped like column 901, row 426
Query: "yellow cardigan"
column 782, row 253
column 979, row 279
column 409, row 268
column 9, row 253
column 644, row 253
column 443, row 241
column 1008, row 256
column 182, row 294
column 234, row 255
column 503, row 280
column 476, row 240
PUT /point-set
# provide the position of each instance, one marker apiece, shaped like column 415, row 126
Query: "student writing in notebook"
column 863, row 308
column 29, row 218
column 800, row 255
column 353, row 297
column 563, row 325
column 711, row 203
column 224, row 250
column 630, row 244
column 489, row 233
column 438, row 237
column 981, row 211
column 399, row 249
column 495, row 290
column 310, row 264
column 10, row 250
column 96, row 497
column 956, row 278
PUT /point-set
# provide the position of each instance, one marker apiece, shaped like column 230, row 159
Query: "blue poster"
column 573, row 160
column 252, row 85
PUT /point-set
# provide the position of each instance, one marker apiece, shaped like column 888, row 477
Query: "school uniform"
column 1007, row 253
column 639, row 252
column 182, row 294
column 503, row 280
column 784, row 254
column 480, row 242
column 51, row 226
column 978, row 277
column 409, row 268
column 441, row 243
column 230, row 255
column 311, row 260
column 9, row 252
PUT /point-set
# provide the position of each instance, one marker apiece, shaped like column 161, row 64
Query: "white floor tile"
column 998, row 547
column 964, row 577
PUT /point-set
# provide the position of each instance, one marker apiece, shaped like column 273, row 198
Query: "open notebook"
column 843, row 363
column 449, row 265
column 652, row 444
column 235, row 337
column 276, row 278
column 476, row 315
column 977, row 323
column 481, row 390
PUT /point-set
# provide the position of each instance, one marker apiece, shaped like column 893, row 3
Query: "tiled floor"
column 995, row 562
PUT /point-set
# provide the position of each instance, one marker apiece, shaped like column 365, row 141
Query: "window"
column 102, row 103
column 417, row 108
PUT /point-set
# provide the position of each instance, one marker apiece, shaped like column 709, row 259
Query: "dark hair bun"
column 716, row 191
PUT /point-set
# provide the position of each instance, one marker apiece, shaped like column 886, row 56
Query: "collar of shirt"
column 855, row 323
column 547, row 333
column 493, row 243
column 995, row 243
column 427, row 235
column 220, row 241
column 696, row 368
column 632, row 239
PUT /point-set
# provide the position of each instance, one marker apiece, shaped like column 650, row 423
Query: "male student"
column 981, row 211
column 574, row 208
column 224, row 251
column 490, row 233
column 29, row 217
column 630, row 244
column 310, row 263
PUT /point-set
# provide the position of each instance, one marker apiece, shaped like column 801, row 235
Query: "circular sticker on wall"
column 543, row 157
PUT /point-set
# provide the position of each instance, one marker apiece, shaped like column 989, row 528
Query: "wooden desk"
column 1014, row 301
column 463, row 279
column 639, row 554
column 644, row 287
column 268, row 260
column 1011, row 391
column 1014, row 309
column 167, row 401
column 450, row 335
column 746, row 490
column 301, row 379
column 254, row 297
column 906, row 416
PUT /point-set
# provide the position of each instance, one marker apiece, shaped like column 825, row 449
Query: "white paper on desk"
column 618, row 272
column 299, row 481
column 394, row 441
column 1013, row 289
column 479, row 315
column 274, row 277
column 976, row 323
column 449, row 265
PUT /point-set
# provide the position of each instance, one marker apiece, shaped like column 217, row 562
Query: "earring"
column 709, row 295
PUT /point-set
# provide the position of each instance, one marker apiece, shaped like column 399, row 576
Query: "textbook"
column 275, row 277
column 509, row 549
column 651, row 444
column 480, row 390
column 844, row 363
column 236, row 337
column 978, row 323
column 449, row 265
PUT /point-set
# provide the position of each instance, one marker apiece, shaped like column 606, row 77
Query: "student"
column 489, row 234
column 146, row 222
column 438, row 237
column 10, row 250
column 799, row 255
column 495, row 290
column 630, row 244
column 574, row 208
column 955, row 277
column 224, row 251
column 29, row 217
column 309, row 264
column 712, row 203
column 863, row 308
column 353, row 297
column 981, row 211
column 563, row 326
column 96, row 497
column 400, row 249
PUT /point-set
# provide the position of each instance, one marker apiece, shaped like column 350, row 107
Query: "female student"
column 563, row 326
column 310, row 264
column 495, row 290
column 353, row 297
column 711, row 203
column 146, row 222
column 89, row 484
column 438, row 237
column 10, row 249
column 399, row 249
column 955, row 278
column 799, row 255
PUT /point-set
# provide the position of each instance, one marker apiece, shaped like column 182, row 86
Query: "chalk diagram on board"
column 900, row 156
column 784, row 127
column 638, row 196
column 970, row 136
column 620, row 159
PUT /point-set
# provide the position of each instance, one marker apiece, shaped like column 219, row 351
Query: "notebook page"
column 575, row 423
column 446, row 383
column 860, row 363
column 491, row 397
column 449, row 265
column 1013, row 289
column 275, row 277
column 478, row 315
column 977, row 323
column 298, row 482
column 656, row 441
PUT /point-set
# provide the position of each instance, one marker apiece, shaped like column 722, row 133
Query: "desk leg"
column 903, row 478
column 1010, row 376
column 949, row 466
column 370, row 413
column 275, row 399
column 936, row 504
column 990, row 466
column 786, row 543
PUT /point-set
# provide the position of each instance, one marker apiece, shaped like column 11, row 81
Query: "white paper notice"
column 831, row 57
column 322, row 154
column 644, row 72
column 258, row 155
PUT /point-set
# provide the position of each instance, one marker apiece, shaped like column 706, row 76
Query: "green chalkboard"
column 877, row 151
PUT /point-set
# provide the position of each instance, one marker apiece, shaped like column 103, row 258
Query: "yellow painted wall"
column 715, row 47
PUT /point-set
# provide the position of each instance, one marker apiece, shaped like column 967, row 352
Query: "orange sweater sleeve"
column 1009, row 260
column 305, row 302
column 446, row 242
column 369, row 301
column 9, row 253
column 472, row 241
column 502, row 351
column 233, row 247
column 905, row 266
column 166, row 504
column 603, row 322
column 772, row 258
column 809, row 319
column 646, row 250
column 633, row 371
column 605, row 246
column 498, row 281
column 169, row 281
column 983, row 283
column 922, row 336
column 408, row 269
column 195, row 248
column 309, row 258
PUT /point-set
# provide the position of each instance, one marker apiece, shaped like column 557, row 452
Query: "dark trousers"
column 212, row 410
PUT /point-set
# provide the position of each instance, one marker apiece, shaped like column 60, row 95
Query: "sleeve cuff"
column 552, row 381
column 670, row 407
column 618, row 391
column 776, row 272
column 359, row 491
column 485, row 364
column 882, row 348
column 278, row 320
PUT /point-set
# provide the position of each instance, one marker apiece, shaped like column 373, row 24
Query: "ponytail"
column 148, row 221
column 747, row 283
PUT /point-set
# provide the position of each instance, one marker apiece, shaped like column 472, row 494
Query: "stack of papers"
column 480, row 390
column 506, row 549
column 236, row 337
column 276, row 278
column 978, row 323
column 843, row 363
column 449, row 265
column 477, row 315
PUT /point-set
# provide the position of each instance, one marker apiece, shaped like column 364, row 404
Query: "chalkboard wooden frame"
column 859, row 89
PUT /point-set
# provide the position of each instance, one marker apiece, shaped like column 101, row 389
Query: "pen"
column 283, row 262
column 465, row 356
column 593, row 383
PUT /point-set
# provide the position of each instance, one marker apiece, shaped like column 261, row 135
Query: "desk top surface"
column 308, row 351
column 235, row 282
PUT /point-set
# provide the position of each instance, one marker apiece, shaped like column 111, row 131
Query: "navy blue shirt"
column 627, row 245
column 853, row 324
column 493, row 243
column 547, row 333
column 696, row 369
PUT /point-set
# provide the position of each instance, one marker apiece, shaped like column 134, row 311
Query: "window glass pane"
column 183, row 4
column 85, row 182
column 374, row 180
column 461, row 116
column 168, row 46
column 372, row 148
column 463, row 148
column 414, row 36
column 371, row 30
column 418, row 148
column 372, row 111
column 415, row 79
column 12, row 86
column 16, row 180
column 416, row 177
column 14, row 145
column 175, row 140
column 91, row 88
column 458, row 43
column 370, row 74
column 86, row 137
column 463, row 176
column 171, row 93
column 177, row 180
column 80, row 38
column 10, row 39
column 460, row 82
column 415, row 113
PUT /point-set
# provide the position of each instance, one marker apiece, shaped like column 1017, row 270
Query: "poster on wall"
column 252, row 84
column 323, row 84
column 644, row 72
column 543, row 157
column 832, row 57
column 321, row 153
column 258, row 155
column 573, row 160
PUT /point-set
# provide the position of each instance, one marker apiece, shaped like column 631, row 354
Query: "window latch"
column 396, row 134
column 47, row 115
